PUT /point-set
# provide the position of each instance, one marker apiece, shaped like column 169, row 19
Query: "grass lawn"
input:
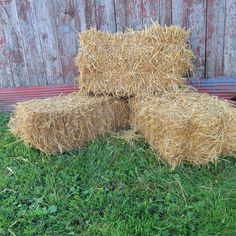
column 111, row 188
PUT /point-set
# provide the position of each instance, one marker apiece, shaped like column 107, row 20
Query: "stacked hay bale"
column 64, row 123
column 146, row 67
column 149, row 61
column 186, row 126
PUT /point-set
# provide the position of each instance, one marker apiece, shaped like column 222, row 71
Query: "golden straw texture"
column 186, row 127
column 63, row 123
column 135, row 62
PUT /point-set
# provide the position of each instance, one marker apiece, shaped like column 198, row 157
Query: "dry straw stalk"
column 63, row 123
column 135, row 62
column 186, row 126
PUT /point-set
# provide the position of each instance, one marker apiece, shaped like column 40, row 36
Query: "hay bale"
column 186, row 127
column 131, row 63
column 63, row 123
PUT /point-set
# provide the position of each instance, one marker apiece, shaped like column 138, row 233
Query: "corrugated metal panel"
column 10, row 96
column 224, row 87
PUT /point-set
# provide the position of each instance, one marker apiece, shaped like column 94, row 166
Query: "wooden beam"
column 230, row 38
column 49, row 41
column 192, row 15
column 31, row 41
column 215, row 37
column 105, row 15
column 64, row 15
column 15, row 51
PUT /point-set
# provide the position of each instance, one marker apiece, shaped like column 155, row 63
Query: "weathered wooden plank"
column 121, row 15
column 165, row 12
column 197, row 21
column 128, row 14
column 150, row 11
column 6, row 79
column 31, row 41
column 215, row 37
column 180, row 13
column 230, row 38
column 135, row 14
column 38, row 39
column 85, row 17
column 65, row 25
column 156, row 10
column 48, row 40
column 105, row 15
column 15, row 53
column 85, row 14
column 192, row 15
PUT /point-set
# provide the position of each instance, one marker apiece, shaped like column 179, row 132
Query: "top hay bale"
column 186, row 127
column 152, row 60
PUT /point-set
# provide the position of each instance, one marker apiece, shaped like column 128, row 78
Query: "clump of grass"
column 111, row 188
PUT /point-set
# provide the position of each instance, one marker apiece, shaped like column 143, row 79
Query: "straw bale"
column 129, row 135
column 186, row 126
column 134, row 62
column 62, row 123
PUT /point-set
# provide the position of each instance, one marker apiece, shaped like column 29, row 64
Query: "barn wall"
column 38, row 38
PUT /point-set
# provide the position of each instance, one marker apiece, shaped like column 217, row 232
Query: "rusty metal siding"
column 38, row 39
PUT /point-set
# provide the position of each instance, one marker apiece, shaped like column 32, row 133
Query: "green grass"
column 111, row 188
